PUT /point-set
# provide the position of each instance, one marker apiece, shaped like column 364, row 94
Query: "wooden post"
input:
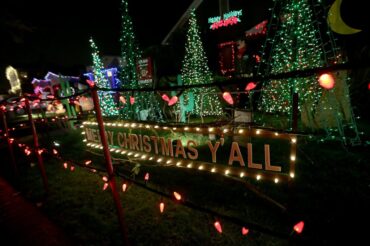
column 36, row 147
column 295, row 112
column 109, row 166
column 10, row 144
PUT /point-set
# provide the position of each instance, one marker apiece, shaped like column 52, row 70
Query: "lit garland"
column 195, row 71
column 105, row 98
column 146, row 106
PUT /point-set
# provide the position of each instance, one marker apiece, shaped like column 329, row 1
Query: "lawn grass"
column 330, row 193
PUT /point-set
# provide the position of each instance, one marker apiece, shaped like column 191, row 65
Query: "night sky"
column 58, row 31
column 54, row 34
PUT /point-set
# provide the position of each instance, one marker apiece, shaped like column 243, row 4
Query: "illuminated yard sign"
column 257, row 153
column 229, row 18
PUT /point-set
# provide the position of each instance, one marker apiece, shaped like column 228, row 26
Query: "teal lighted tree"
column 195, row 70
column 143, row 105
column 107, row 104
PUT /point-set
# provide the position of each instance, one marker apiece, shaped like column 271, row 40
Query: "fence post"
column 10, row 144
column 109, row 166
column 295, row 112
column 36, row 146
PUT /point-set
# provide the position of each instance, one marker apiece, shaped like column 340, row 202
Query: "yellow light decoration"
column 15, row 84
column 336, row 22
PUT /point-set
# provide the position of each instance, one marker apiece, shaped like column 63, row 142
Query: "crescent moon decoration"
column 336, row 22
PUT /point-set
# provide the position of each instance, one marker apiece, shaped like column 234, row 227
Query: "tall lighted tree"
column 107, row 104
column 295, row 47
column 195, row 70
column 143, row 105
column 300, row 40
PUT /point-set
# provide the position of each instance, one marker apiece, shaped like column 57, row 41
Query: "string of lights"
column 244, row 80
column 233, row 81
column 70, row 164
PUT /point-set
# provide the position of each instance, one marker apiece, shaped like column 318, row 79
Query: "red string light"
column 228, row 98
column 146, row 177
column 299, row 227
column 173, row 101
column 218, row 226
column 132, row 100
column 250, row 86
column 165, row 97
column 90, row 83
column 27, row 151
column 245, row 231
column 326, row 81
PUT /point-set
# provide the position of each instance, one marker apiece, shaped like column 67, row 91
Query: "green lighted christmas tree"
column 195, row 71
column 107, row 104
column 296, row 47
column 297, row 42
column 146, row 105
